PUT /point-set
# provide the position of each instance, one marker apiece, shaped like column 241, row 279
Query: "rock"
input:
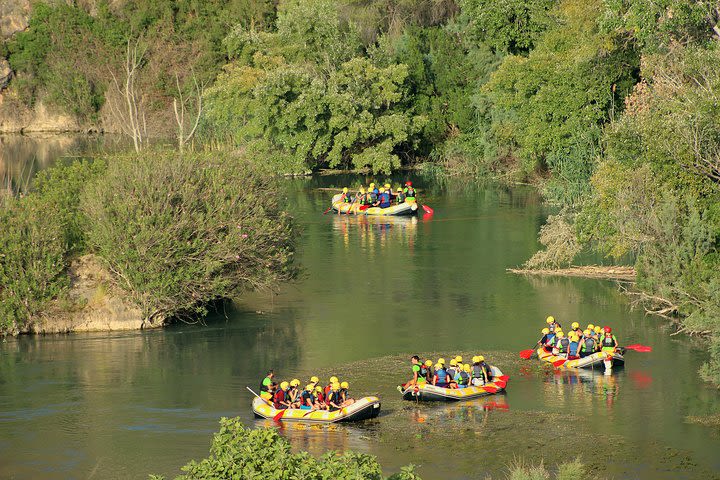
column 98, row 305
column 14, row 16
column 6, row 73
column 15, row 117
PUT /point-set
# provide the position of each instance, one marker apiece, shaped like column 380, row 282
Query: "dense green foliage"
column 239, row 452
column 38, row 234
column 181, row 231
column 178, row 233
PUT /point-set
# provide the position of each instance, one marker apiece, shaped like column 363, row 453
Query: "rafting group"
column 378, row 200
column 333, row 396
column 455, row 375
column 577, row 343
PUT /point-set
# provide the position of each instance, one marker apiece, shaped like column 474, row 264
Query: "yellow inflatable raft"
column 599, row 360
column 362, row 409
column 428, row 392
column 405, row 208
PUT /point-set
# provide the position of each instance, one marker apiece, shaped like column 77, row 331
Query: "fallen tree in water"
column 614, row 272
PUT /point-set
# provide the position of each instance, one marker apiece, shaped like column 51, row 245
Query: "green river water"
column 373, row 292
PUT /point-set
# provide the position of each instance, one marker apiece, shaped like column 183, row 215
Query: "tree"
column 127, row 104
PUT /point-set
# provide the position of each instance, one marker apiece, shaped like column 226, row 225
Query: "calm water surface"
column 114, row 406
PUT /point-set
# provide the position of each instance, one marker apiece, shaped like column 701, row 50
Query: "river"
column 373, row 292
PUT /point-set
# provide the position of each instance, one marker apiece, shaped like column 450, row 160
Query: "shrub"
column 183, row 231
column 32, row 260
column 239, row 452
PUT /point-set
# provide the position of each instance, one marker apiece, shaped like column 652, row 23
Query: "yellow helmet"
column 345, row 190
column 587, row 332
column 309, row 387
column 318, row 388
column 598, row 329
column 295, row 382
column 428, row 363
column 372, row 185
column 545, row 331
column 333, row 380
column 575, row 325
column 475, row 359
column 387, row 185
column 345, row 385
column 284, row 385
column 573, row 337
column 438, row 366
column 399, row 189
column 458, row 358
column 591, row 326
column 481, row 358
column 441, row 361
column 335, row 386
column 382, row 190
column 550, row 319
column 453, row 362
column 362, row 190
column 466, row 367
column 560, row 333
column 314, row 379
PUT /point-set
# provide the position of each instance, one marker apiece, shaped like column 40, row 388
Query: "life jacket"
column 371, row 197
column 488, row 369
column 320, row 398
column 563, row 345
column 451, row 372
column 589, row 344
column 335, row 398
column 608, row 341
column 400, row 197
column 477, row 371
column 327, row 390
column 462, row 378
column 305, row 396
column 573, row 348
column 409, row 193
column 279, row 397
column 550, row 338
column 442, row 376
column 384, row 200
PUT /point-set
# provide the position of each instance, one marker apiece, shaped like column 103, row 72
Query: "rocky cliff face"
column 98, row 305
column 14, row 15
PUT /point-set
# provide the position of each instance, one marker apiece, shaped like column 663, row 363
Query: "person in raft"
column 552, row 324
column 409, row 191
column 417, row 371
column 346, row 197
column 383, row 200
column 344, row 396
column 608, row 343
column 265, row 392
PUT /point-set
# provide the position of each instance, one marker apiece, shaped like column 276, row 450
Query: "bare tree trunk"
column 181, row 100
column 129, row 111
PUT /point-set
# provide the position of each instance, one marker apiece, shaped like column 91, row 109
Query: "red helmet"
column 408, row 184
column 607, row 329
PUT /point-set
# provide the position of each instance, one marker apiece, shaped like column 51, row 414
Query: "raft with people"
column 362, row 409
column 590, row 348
column 456, row 382
column 378, row 201
column 314, row 403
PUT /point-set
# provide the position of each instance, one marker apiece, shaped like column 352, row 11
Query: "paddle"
column 559, row 363
column 261, row 398
column 527, row 354
column 638, row 348
column 277, row 417
column 428, row 209
column 329, row 208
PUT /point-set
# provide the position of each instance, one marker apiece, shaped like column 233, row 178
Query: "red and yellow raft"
column 397, row 209
column 596, row 360
column 428, row 392
column 362, row 409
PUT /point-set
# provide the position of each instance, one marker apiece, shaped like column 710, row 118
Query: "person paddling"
column 409, row 192
column 399, row 196
column 265, row 385
column 587, row 344
column 608, row 343
column 563, row 344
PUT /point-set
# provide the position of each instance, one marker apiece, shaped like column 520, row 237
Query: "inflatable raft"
column 428, row 392
column 596, row 360
column 362, row 409
column 396, row 209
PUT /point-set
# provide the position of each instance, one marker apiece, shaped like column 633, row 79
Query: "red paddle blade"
column 428, row 209
column 364, row 207
column 638, row 348
column 279, row 416
column 504, row 378
column 526, row 354
column 559, row 363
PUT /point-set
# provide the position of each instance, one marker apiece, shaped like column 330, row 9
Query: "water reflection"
column 582, row 388
column 370, row 233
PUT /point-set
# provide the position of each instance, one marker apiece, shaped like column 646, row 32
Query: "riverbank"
column 616, row 272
